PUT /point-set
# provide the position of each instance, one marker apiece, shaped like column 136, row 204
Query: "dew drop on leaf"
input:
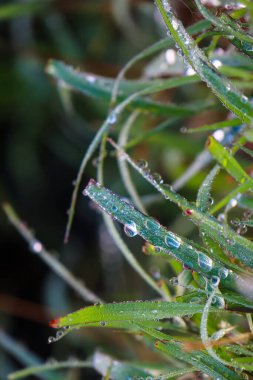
column 112, row 118
column 130, row 229
column 172, row 241
column 215, row 280
column 152, row 225
column 142, row 164
column 205, row 263
column 223, row 273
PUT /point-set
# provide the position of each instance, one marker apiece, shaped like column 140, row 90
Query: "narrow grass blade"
column 235, row 101
column 215, row 126
column 100, row 88
column 225, row 24
column 137, row 223
column 204, row 193
column 198, row 359
column 236, row 245
column 227, row 161
column 48, row 367
column 151, row 50
column 126, row 312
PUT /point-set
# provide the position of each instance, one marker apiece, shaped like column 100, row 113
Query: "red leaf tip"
column 54, row 323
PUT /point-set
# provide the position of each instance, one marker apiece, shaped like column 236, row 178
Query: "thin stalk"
column 123, row 166
column 116, row 236
column 37, row 247
column 49, row 367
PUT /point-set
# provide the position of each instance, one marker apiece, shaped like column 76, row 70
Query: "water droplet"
column 244, row 99
column 217, row 63
column 215, row 280
column 174, row 281
column 91, row 78
column 102, row 323
column 151, row 224
column 170, row 56
column 157, row 249
column 219, row 302
column 36, row 246
column 174, row 23
column 142, row 164
column 157, row 178
column 221, row 218
column 112, row 118
column 172, row 241
column 130, row 229
column 223, row 273
column 114, row 208
column 205, row 263
column 247, row 46
column 154, row 311
column 51, row 339
column 59, row 334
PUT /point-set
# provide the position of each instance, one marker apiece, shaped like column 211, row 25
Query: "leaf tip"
column 55, row 323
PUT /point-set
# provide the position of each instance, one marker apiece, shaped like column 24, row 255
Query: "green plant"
column 210, row 293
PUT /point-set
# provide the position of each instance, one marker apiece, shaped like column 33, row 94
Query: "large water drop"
column 130, row 229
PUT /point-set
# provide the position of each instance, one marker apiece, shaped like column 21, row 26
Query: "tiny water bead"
column 205, row 263
column 36, row 246
column 143, row 164
column 223, row 273
column 152, row 225
column 157, row 178
column 102, row 323
column 130, row 229
column 215, row 280
column 172, row 241
column 112, row 118
column 114, row 208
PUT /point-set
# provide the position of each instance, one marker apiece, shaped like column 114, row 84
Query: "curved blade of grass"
column 203, row 203
column 156, row 234
column 232, row 99
column 101, row 88
column 225, row 24
column 123, row 165
column 198, row 359
column 236, row 245
column 227, row 161
column 48, row 367
column 125, row 312
column 115, row 234
column 69, row 74
column 215, row 126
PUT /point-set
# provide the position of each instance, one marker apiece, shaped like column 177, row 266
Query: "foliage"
column 198, row 316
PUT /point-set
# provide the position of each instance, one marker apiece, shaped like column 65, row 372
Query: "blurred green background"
column 44, row 134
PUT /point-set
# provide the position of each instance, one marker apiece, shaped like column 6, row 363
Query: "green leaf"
column 235, row 101
column 198, row 359
column 236, row 245
column 204, row 193
column 126, row 312
column 214, row 126
column 100, row 88
column 227, row 161
column 137, row 223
